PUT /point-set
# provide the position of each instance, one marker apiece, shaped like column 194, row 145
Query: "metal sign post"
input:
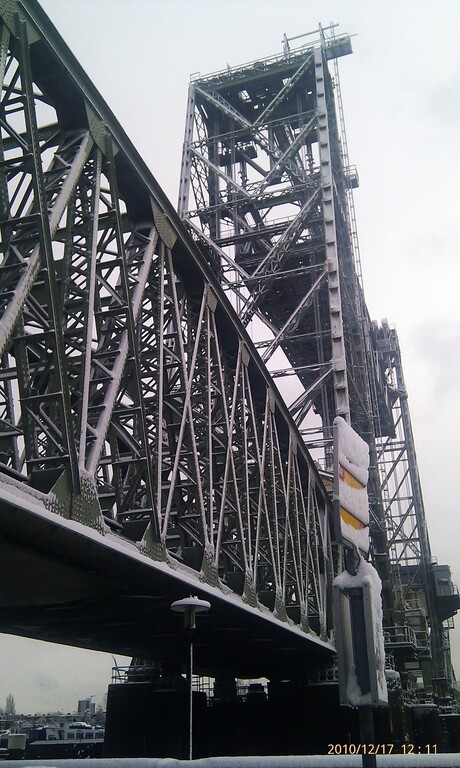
column 357, row 600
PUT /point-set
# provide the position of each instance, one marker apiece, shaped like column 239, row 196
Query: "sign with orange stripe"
column 351, row 472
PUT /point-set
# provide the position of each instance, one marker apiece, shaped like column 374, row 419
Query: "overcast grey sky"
column 402, row 109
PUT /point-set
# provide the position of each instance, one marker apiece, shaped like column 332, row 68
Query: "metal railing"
column 405, row 635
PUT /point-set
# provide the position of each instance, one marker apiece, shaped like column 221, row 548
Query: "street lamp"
column 190, row 606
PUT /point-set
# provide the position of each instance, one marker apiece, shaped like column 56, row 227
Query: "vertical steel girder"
column 267, row 187
column 130, row 395
column 260, row 165
column 409, row 545
column 266, row 192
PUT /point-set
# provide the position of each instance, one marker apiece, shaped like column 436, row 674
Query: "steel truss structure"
column 131, row 398
column 266, row 189
column 422, row 588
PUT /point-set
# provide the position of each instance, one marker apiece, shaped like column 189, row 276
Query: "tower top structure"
column 267, row 191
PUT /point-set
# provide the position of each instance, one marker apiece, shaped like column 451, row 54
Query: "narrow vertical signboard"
column 359, row 637
column 351, row 473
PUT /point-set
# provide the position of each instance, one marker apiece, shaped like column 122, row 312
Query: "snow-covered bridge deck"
column 144, row 449
column 73, row 584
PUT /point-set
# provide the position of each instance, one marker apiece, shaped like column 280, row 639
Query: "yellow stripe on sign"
column 350, row 519
column 349, row 479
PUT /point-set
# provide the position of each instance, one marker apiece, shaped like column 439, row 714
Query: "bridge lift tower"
column 266, row 189
column 144, row 449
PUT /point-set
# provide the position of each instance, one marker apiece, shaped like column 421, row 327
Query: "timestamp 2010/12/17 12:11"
column 381, row 749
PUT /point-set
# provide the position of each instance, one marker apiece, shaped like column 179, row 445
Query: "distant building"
column 86, row 707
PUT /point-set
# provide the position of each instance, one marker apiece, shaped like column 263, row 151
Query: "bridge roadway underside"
column 66, row 583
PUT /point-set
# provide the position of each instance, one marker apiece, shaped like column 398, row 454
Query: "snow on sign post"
column 351, row 473
column 359, row 637
column 357, row 592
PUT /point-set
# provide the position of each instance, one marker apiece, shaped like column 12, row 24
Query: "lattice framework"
column 131, row 399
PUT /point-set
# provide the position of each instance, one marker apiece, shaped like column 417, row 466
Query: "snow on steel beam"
column 131, row 397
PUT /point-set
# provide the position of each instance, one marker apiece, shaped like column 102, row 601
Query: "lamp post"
column 189, row 607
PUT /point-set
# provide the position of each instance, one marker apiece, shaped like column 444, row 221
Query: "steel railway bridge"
column 146, row 451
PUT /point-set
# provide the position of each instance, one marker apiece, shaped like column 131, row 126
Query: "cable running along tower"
column 266, row 190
